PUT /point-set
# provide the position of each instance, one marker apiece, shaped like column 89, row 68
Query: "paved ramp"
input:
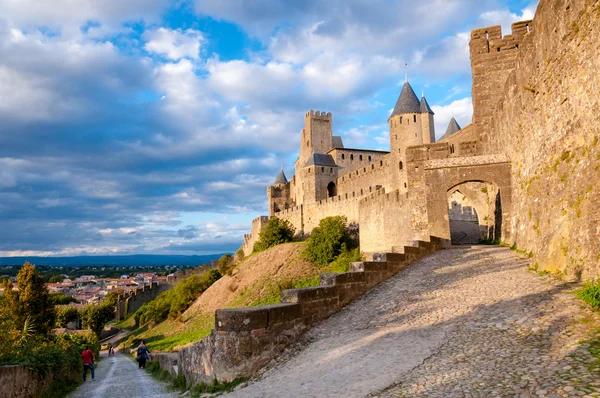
column 469, row 321
column 119, row 377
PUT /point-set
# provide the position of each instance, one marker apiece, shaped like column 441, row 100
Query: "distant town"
column 88, row 284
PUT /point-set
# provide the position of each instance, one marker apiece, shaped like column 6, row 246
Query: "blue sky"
column 153, row 126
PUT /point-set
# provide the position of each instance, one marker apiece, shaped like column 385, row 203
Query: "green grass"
column 489, row 241
column 590, row 293
column 169, row 334
column 268, row 291
column 176, row 383
column 127, row 323
column 217, row 387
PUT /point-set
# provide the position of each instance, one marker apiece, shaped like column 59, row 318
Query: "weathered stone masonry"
column 246, row 339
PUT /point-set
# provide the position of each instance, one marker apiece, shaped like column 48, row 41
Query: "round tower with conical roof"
column 411, row 123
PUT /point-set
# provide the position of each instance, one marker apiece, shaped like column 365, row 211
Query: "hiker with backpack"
column 143, row 354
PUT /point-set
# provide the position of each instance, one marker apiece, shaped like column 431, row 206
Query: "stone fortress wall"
column 546, row 121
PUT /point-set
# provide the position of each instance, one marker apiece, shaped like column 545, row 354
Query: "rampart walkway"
column 119, row 377
column 465, row 322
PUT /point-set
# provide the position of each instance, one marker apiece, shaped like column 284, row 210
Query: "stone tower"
column 411, row 123
column 316, row 135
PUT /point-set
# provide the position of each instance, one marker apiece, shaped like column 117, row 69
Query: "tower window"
column 307, row 143
column 343, row 156
column 369, row 158
column 351, row 157
column 396, row 137
column 360, row 157
column 322, row 169
column 415, row 118
column 372, row 167
column 400, row 119
column 381, row 162
column 331, row 169
column 401, row 165
column 404, row 185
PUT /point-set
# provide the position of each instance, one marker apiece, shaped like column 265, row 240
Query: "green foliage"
column 217, row 387
column 55, row 278
column 60, row 299
column 277, row 231
column 488, row 241
column 66, row 314
column 172, row 303
column 590, row 293
column 156, row 372
column 226, row 264
column 111, row 297
column 328, row 240
column 94, row 316
column 32, row 301
column 240, row 253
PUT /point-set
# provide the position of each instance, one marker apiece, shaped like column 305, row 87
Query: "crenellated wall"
column 544, row 116
column 250, row 239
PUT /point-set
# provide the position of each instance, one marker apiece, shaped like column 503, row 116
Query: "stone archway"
column 472, row 212
column 463, row 219
column 433, row 180
column 331, row 190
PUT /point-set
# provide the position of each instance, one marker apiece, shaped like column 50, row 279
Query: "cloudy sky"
column 153, row 126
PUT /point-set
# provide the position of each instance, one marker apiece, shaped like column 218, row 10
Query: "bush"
column 65, row 315
column 328, row 240
column 94, row 316
column 276, row 232
column 60, row 299
column 590, row 294
column 226, row 264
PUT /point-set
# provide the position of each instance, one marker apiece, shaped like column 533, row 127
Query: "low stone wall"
column 244, row 340
column 18, row 382
column 167, row 361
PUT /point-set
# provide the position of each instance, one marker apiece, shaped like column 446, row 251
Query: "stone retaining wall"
column 244, row 340
column 18, row 382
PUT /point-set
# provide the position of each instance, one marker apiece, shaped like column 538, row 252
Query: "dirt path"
column 119, row 377
column 465, row 322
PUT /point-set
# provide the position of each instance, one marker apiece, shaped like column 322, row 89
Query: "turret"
column 411, row 123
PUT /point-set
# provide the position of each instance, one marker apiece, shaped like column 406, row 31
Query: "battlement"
column 318, row 115
column 490, row 40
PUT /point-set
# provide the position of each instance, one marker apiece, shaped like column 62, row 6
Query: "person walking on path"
column 87, row 359
column 142, row 355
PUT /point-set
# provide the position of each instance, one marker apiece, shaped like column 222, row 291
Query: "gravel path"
column 465, row 322
column 119, row 377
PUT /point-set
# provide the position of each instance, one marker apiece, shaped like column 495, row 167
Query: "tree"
column 94, row 316
column 277, row 231
column 65, row 315
column 111, row 297
column 328, row 240
column 34, row 300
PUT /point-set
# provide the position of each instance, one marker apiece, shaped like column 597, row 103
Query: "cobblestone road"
column 464, row 322
column 119, row 377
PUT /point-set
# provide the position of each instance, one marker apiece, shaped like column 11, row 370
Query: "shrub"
column 590, row 293
column 226, row 264
column 328, row 240
column 65, row 315
column 60, row 299
column 277, row 231
column 94, row 316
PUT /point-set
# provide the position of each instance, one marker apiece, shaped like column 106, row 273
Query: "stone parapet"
column 244, row 340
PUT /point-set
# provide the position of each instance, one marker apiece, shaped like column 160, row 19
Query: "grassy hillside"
column 257, row 280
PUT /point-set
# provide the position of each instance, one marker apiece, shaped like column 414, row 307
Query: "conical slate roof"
column 453, row 128
column 407, row 101
column 281, row 179
column 425, row 106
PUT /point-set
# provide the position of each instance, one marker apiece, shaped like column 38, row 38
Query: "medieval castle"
column 401, row 196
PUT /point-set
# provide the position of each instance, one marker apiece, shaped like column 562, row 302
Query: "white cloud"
column 505, row 18
column 461, row 110
column 174, row 44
